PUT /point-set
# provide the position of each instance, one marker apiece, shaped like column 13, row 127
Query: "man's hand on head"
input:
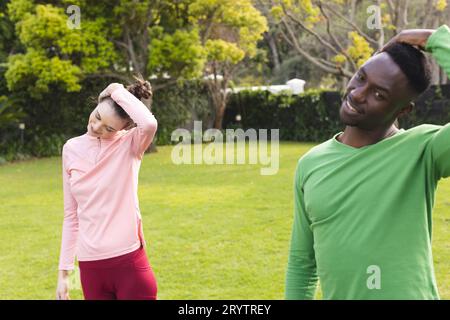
column 414, row 37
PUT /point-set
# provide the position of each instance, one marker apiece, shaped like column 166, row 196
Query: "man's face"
column 376, row 94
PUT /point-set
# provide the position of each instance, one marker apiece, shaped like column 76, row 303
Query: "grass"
column 213, row 232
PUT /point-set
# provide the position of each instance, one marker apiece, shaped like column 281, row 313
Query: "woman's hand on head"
column 109, row 90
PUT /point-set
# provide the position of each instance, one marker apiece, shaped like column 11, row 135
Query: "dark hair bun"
column 141, row 89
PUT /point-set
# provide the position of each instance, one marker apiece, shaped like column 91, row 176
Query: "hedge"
column 59, row 115
column 314, row 115
column 311, row 116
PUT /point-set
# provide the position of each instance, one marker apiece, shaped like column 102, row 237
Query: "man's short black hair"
column 413, row 63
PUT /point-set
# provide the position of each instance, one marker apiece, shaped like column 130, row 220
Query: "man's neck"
column 357, row 138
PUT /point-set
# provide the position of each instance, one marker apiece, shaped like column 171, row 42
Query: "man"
column 364, row 199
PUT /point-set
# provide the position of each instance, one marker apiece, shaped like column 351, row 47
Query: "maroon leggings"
column 126, row 277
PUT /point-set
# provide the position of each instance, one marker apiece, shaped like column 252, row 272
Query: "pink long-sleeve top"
column 100, row 182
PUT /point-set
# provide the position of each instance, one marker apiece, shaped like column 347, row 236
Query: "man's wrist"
column 428, row 34
column 436, row 37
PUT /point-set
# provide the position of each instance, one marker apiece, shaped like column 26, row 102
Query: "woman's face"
column 104, row 122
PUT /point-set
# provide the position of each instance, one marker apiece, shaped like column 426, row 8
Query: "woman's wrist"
column 64, row 273
column 114, row 86
column 107, row 92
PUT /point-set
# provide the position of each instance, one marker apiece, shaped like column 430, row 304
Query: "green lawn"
column 213, row 232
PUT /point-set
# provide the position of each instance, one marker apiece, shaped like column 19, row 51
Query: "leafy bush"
column 45, row 146
column 433, row 106
column 314, row 115
column 9, row 113
column 179, row 106
column 311, row 116
column 34, row 146
column 59, row 115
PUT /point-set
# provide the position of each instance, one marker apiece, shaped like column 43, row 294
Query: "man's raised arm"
column 437, row 42
column 439, row 45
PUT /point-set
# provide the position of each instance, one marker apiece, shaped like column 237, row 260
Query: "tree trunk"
column 219, row 101
column 422, row 21
column 400, row 15
column 220, row 112
column 273, row 50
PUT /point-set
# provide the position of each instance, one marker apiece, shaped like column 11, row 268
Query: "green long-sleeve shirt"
column 362, row 217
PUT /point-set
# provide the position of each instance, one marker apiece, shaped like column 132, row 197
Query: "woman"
column 102, row 221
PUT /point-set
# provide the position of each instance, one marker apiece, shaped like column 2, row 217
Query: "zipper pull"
column 98, row 152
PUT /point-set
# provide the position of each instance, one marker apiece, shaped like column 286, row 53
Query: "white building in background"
column 295, row 86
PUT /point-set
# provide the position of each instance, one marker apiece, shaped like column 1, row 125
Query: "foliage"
column 178, row 106
column 359, row 50
column 9, row 114
column 179, row 53
column 59, row 115
column 311, row 116
column 35, row 72
column 220, row 34
column 314, row 115
column 54, row 53
column 441, row 5
column 177, row 40
column 337, row 36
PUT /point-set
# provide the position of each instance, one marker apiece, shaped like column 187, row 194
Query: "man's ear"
column 406, row 110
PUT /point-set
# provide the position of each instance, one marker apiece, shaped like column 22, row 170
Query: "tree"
column 172, row 40
column 112, row 41
column 7, row 39
column 337, row 36
column 229, row 31
column 221, row 33
column 323, row 22
column 54, row 53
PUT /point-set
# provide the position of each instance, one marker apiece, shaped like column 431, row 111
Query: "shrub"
column 314, row 115
column 311, row 116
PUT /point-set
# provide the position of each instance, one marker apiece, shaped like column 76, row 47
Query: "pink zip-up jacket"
column 100, row 182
